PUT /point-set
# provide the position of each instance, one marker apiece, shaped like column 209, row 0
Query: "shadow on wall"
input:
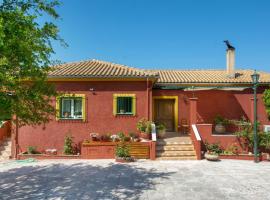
column 79, row 181
column 213, row 103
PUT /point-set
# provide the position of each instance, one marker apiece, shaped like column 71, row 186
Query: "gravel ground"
column 105, row 179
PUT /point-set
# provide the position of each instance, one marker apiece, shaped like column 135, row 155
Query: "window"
column 71, row 107
column 124, row 104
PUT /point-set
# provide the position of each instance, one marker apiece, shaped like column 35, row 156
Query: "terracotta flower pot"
column 146, row 136
column 161, row 133
column 211, row 157
column 219, row 128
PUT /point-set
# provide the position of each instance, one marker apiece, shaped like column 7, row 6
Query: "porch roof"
column 208, row 77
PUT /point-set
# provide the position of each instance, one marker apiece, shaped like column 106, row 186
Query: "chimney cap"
column 229, row 46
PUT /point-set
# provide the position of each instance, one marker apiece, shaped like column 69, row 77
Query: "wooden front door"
column 164, row 112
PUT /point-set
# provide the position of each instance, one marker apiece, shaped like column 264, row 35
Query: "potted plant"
column 122, row 154
column 213, row 151
column 161, row 130
column 32, row 150
column 106, row 138
column 145, row 128
column 94, row 136
column 220, row 123
column 134, row 137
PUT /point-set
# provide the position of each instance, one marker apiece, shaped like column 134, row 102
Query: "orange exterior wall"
column 99, row 109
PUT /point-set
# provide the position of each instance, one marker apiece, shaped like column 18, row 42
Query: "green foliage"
column 221, row 120
column 160, row 126
column 231, row 150
column 122, row 151
column 121, row 136
column 266, row 100
column 213, row 148
column 32, row 150
column 144, row 125
column 265, row 141
column 25, row 57
column 246, row 133
column 68, row 145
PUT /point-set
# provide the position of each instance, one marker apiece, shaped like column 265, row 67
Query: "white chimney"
column 230, row 58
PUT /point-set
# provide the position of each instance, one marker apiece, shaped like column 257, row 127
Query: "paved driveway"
column 104, row 179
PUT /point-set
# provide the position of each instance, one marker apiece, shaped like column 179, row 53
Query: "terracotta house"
column 103, row 97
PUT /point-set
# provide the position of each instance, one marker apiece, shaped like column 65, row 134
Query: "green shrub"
column 68, row 148
column 32, row 150
column 213, row 148
column 266, row 100
column 122, row 151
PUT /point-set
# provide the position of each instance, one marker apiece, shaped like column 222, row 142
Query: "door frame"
column 175, row 98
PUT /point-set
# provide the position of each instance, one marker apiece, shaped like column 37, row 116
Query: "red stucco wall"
column 229, row 104
column 99, row 110
column 100, row 117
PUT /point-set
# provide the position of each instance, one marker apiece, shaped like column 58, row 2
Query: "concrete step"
column 175, row 148
column 175, row 153
column 177, row 158
column 162, row 142
column 3, row 158
column 6, row 143
column 5, row 153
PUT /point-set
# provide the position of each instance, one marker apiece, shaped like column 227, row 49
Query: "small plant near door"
column 161, row 130
column 145, row 128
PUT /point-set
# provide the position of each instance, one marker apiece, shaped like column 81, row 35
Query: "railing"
column 196, row 139
column 154, row 132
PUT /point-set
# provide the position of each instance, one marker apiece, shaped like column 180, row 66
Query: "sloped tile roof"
column 102, row 69
column 98, row 69
column 208, row 76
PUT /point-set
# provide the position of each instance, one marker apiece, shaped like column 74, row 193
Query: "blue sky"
column 174, row 34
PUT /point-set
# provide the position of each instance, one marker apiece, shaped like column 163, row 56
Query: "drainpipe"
column 16, row 138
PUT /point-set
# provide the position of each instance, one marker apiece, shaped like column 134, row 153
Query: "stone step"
column 6, row 143
column 177, row 158
column 5, row 153
column 2, row 158
column 175, row 148
column 160, row 143
column 175, row 153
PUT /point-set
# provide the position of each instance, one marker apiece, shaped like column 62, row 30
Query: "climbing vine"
column 266, row 100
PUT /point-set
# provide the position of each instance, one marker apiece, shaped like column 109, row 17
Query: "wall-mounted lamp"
column 92, row 90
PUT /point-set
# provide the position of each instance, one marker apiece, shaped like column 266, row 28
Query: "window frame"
column 59, row 101
column 115, row 104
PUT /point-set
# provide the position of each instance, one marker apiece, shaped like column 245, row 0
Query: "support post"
column 255, row 126
column 193, row 110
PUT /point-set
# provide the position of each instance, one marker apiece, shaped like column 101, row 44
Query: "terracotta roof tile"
column 102, row 69
column 208, row 76
column 96, row 68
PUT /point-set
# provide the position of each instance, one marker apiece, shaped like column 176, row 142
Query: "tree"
column 25, row 59
column 266, row 100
